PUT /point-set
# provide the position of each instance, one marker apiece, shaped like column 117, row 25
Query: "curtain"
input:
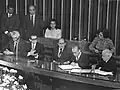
column 80, row 18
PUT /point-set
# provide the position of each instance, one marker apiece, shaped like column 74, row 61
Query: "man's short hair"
column 76, row 45
column 15, row 34
column 107, row 51
column 62, row 39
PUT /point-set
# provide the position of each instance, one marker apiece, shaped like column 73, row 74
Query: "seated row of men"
column 61, row 54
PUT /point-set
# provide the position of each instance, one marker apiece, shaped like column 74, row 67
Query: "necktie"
column 15, row 44
column 60, row 52
column 31, row 18
column 33, row 46
column 77, row 58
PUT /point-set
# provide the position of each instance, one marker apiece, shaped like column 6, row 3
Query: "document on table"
column 103, row 72
column 97, row 71
column 81, row 70
column 65, row 67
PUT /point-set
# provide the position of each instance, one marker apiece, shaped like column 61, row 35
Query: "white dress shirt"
column 78, row 56
column 33, row 46
column 9, row 15
column 60, row 52
column 32, row 17
column 55, row 34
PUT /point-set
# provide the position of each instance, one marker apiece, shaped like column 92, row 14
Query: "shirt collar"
column 79, row 55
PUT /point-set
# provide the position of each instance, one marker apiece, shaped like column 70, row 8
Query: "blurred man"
column 9, row 22
column 33, row 24
column 107, row 62
column 79, row 58
column 16, row 45
column 61, row 53
column 35, row 49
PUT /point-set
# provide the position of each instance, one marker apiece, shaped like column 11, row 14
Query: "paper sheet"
column 103, row 72
column 64, row 67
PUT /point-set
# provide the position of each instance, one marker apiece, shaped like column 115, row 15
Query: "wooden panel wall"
column 81, row 18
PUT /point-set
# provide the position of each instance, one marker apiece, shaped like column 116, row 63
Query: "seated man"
column 35, row 49
column 107, row 63
column 16, row 45
column 79, row 58
column 61, row 53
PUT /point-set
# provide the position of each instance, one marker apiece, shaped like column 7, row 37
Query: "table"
column 85, row 82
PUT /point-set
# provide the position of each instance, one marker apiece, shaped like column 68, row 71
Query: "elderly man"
column 61, row 53
column 16, row 45
column 9, row 22
column 79, row 58
column 107, row 63
column 35, row 49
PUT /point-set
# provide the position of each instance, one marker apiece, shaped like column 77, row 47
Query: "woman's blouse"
column 55, row 34
column 102, row 44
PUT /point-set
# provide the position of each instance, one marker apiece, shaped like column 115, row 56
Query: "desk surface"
column 22, row 64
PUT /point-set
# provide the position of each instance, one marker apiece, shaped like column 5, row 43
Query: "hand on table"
column 74, row 64
column 56, row 62
column 67, row 62
column 32, row 52
column 7, row 52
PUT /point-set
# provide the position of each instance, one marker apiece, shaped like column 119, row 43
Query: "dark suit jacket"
column 36, row 29
column 9, row 23
column 83, row 61
column 22, row 51
column 109, row 66
column 39, row 49
column 65, row 56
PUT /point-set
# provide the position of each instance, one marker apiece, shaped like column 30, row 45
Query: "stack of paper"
column 64, row 67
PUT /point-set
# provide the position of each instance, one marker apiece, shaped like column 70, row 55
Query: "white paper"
column 81, row 70
column 64, row 67
column 103, row 72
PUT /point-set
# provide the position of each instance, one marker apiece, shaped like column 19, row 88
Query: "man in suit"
column 33, row 24
column 9, row 22
column 61, row 53
column 79, row 58
column 35, row 49
column 16, row 45
column 107, row 62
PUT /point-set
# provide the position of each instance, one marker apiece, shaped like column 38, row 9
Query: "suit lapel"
column 12, row 45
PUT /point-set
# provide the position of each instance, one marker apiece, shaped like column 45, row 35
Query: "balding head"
column 32, row 9
column 106, row 54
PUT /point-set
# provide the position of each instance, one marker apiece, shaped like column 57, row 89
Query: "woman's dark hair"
column 98, row 31
column 105, row 33
column 50, row 23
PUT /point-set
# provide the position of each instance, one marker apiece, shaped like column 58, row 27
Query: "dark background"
column 79, row 18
